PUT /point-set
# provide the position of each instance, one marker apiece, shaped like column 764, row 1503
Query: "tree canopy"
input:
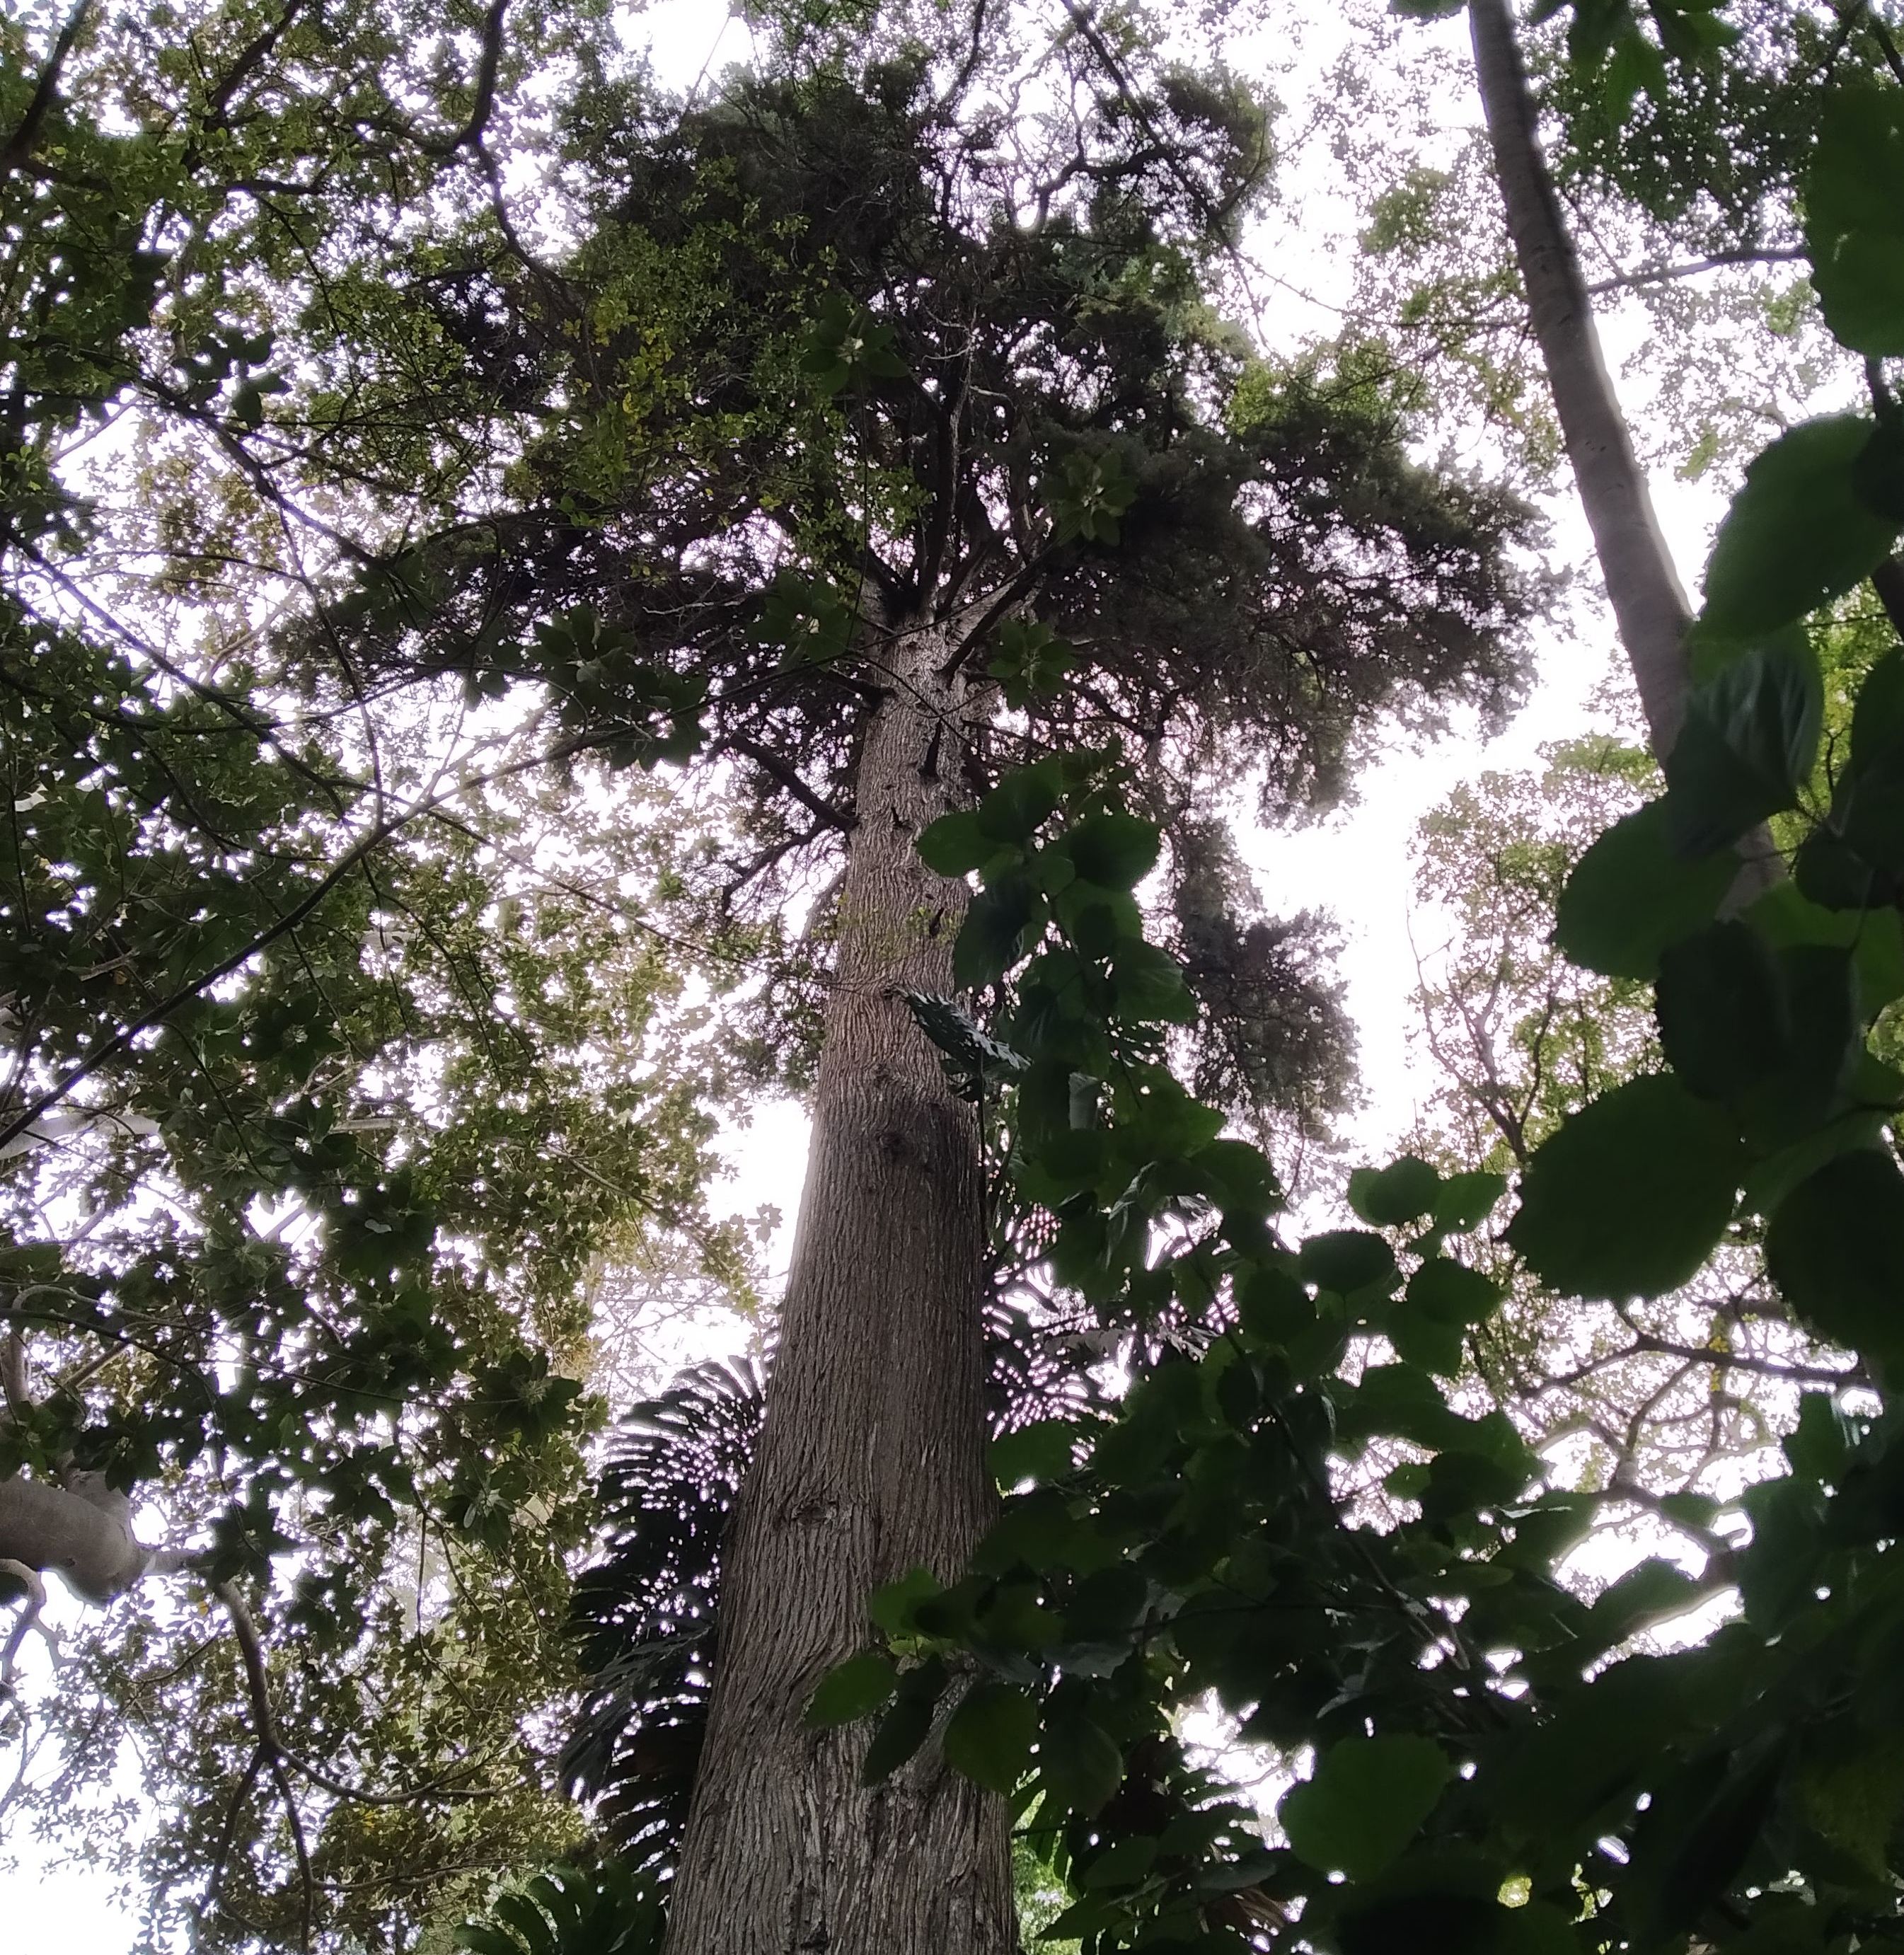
column 533, row 604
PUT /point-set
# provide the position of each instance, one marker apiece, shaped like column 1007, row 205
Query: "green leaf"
column 1042, row 1450
column 1149, row 984
column 1630, row 1195
column 1836, row 1249
column 1452, row 1293
column 1465, row 1200
column 1819, row 1444
column 1867, row 805
column 1347, row 1260
column 1747, row 747
column 990, row 1736
column 532, row 1926
column 1874, row 938
column 1632, row 894
column 1078, row 1759
column 1021, row 803
column 992, row 938
column 1420, row 1339
column 853, row 1689
column 1030, row 660
column 1721, row 1009
column 1798, row 533
column 1386, row 1198
column 1854, row 218
column 902, row 1730
column 1114, row 850
column 1122, row 1864
column 891, row 1606
column 955, row 845
column 1367, row 1800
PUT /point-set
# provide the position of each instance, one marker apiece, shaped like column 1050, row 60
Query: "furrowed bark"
column 1643, row 588
column 872, row 1459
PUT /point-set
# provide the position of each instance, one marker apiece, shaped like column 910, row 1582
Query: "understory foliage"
column 1303, row 1507
column 332, row 1057
column 395, row 592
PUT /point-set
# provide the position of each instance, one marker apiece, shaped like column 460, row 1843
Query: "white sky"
column 1355, row 864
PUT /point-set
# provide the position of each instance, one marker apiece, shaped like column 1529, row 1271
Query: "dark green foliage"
column 1364, row 1802
column 1632, row 894
column 645, row 1613
column 1050, row 443
column 1854, row 192
column 1800, row 531
column 568, row 1910
column 1632, row 1195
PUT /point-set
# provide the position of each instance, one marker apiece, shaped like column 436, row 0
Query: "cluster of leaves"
column 567, row 1910
column 1492, row 1758
column 319, row 1097
column 1496, row 1764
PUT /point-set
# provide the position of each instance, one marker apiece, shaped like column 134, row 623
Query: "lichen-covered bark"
column 872, row 1458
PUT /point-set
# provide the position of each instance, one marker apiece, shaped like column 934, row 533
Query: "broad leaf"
column 1797, row 534
column 1043, row 1450
column 1078, row 1759
column 1386, row 1198
column 1367, row 1801
column 1452, row 1293
column 990, row 1736
column 1346, row 1261
column 1114, row 850
column 1854, row 218
column 1723, row 1020
column 1835, row 1250
column 1632, row 894
column 992, row 938
column 955, row 845
column 1021, row 802
column 1630, row 1195
column 1747, row 746
column 853, row 1689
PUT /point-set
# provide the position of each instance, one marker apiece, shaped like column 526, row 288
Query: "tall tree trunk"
column 872, row 1459
column 1648, row 604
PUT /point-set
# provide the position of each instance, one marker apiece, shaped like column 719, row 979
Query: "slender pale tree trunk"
column 1641, row 584
column 872, row 1459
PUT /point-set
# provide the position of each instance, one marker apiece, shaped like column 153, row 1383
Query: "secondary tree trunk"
column 1641, row 584
column 872, row 1459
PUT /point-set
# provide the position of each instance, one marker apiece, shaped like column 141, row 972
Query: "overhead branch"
column 1656, row 275
column 20, row 145
column 399, row 817
column 270, row 1745
column 471, row 135
column 28, row 1620
column 250, row 57
column 770, row 763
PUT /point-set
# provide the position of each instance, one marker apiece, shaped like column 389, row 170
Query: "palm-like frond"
column 565, row 1910
column 646, row 1612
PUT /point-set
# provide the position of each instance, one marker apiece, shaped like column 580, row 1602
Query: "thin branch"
column 1655, row 274
column 788, row 777
column 471, row 135
column 289, row 920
